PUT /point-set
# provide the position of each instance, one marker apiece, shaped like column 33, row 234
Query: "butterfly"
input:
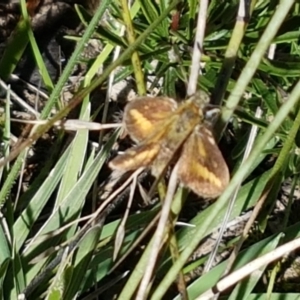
column 167, row 132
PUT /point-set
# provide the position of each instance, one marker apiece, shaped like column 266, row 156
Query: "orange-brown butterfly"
column 166, row 132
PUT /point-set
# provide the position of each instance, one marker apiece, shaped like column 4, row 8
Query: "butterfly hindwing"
column 135, row 157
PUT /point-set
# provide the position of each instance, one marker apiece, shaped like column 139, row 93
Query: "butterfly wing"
column 201, row 166
column 135, row 157
column 147, row 121
column 146, row 117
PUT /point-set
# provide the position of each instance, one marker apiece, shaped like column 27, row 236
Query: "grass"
column 60, row 240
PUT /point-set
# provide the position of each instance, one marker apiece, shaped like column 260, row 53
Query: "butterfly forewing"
column 201, row 166
column 145, row 116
